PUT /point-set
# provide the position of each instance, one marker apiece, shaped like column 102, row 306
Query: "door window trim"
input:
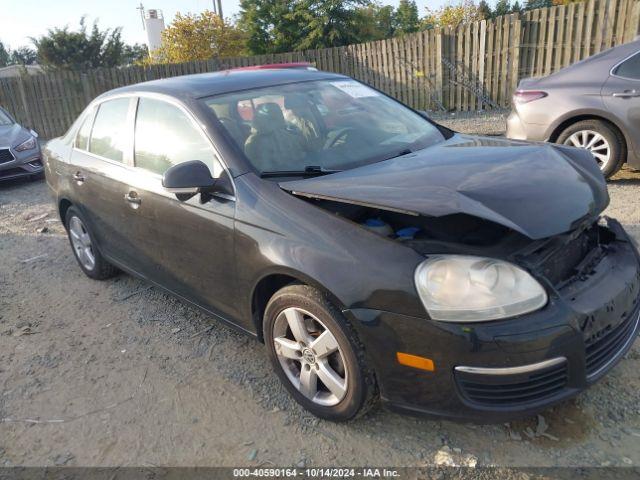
column 131, row 117
column 613, row 69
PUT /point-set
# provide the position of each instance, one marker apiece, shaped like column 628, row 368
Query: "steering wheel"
column 340, row 134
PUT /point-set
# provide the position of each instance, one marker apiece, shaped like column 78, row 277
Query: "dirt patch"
column 118, row 373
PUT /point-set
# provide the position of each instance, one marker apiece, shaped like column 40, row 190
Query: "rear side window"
column 166, row 136
column 110, row 136
column 630, row 68
column 82, row 138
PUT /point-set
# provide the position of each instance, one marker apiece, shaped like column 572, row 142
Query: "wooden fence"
column 474, row 66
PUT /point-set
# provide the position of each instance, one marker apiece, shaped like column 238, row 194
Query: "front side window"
column 110, row 135
column 166, row 136
column 630, row 68
column 331, row 124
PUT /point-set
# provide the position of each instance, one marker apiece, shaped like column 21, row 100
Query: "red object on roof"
column 305, row 65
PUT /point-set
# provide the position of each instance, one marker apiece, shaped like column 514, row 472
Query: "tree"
column 81, row 50
column 374, row 22
column 406, row 17
column 198, row 37
column 135, row 54
column 503, row 7
column 326, row 23
column 484, row 10
column 533, row 4
column 516, row 8
column 451, row 15
column 269, row 25
column 5, row 55
column 24, row 56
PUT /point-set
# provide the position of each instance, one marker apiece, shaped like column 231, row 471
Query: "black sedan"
column 377, row 254
column 20, row 154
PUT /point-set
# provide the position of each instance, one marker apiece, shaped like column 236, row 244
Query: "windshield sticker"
column 355, row 89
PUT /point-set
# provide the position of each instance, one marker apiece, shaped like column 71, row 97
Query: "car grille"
column 604, row 344
column 6, row 155
column 513, row 390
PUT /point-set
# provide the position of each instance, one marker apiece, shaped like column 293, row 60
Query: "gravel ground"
column 118, row 373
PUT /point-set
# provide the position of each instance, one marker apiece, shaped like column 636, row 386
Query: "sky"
column 21, row 19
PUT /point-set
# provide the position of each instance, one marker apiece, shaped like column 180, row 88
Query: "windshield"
column 5, row 119
column 320, row 126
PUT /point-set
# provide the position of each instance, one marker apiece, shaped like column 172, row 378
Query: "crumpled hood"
column 10, row 135
column 539, row 190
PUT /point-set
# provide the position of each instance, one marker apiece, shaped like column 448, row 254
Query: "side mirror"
column 33, row 133
column 188, row 179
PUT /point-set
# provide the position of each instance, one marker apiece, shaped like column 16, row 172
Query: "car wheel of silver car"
column 84, row 247
column 603, row 141
column 317, row 355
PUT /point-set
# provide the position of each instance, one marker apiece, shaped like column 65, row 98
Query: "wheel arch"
column 272, row 281
column 579, row 117
column 63, row 206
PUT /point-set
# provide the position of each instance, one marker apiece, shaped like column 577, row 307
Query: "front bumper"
column 20, row 164
column 497, row 371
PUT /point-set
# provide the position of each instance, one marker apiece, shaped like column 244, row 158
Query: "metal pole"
column 220, row 8
column 214, row 6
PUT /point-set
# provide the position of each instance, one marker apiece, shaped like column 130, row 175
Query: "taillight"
column 526, row 96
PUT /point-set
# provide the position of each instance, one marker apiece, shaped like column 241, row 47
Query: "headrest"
column 295, row 102
column 268, row 117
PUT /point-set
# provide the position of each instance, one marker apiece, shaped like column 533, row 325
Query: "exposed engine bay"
column 560, row 259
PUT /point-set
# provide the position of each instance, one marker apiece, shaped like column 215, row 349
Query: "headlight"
column 458, row 288
column 26, row 145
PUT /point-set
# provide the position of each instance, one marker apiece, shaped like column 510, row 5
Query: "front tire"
column 601, row 139
column 84, row 247
column 316, row 354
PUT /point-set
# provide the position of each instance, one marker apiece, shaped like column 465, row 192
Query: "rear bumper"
column 517, row 129
column 497, row 371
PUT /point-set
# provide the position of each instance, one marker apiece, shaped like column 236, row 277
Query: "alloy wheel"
column 310, row 356
column 595, row 143
column 81, row 242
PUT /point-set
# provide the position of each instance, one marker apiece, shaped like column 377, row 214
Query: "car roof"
column 226, row 81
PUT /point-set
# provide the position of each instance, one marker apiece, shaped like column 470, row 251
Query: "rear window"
column 110, row 135
column 630, row 68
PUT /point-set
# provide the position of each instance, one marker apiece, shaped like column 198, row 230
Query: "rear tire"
column 602, row 139
column 342, row 385
column 84, row 247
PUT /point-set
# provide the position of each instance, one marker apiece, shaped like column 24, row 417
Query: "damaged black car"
column 377, row 255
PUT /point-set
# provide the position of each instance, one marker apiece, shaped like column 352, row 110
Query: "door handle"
column 626, row 94
column 133, row 199
column 79, row 177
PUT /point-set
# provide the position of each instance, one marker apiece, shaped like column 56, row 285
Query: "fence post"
column 439, row 84
column 25, row 105
column 85, row 88
column 633, row 24
column 516, row 29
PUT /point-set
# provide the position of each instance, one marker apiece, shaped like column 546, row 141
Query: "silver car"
column 592, row 104
column 20, row 154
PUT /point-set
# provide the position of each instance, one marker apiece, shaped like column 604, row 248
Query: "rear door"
column 187, row 247
column 99, row 167
column 621, row 94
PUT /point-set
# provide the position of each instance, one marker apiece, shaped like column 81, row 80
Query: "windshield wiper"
column 405, row 151
column 309, row 170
